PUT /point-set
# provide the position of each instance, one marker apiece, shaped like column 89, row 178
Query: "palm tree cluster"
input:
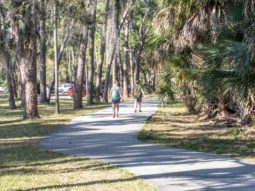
column 209, row 54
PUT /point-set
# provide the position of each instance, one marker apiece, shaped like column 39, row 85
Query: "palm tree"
column 190, row 21
column 185, row 24
column 229, row 67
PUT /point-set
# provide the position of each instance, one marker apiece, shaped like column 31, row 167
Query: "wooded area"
column 86, row 43
column 200, row 52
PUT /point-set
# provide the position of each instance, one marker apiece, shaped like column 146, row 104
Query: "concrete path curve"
column 99, row 136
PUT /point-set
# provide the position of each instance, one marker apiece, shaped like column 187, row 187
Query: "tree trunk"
column 57, row 110
column 70, row 66
column 131, row 53
column 19, row 58
column 137, row 67
column 120, row 70
column 4, row 53
column 14, row 78
column 78, row 85
column 145, row 76
column 30, row 68
column 74, row 63
column 7, row 61
column 107, row 81
column 43, row 93
column 19, row 81
column 10, row 81
column 142, row 38
column 91, row 65
column 22, row 67
column 132, row 80
column 102, row 53
column 125, row 63
column 31, row 110
column 112, row 37
column 86, row 77
column 115, row 66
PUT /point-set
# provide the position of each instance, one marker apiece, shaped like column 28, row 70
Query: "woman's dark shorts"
column 139, row 99
column 115, row 101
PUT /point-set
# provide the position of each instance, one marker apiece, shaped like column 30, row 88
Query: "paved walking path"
column 99, row 136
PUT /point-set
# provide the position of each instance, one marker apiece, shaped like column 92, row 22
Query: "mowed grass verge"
column 173, row 126
column 27, row 167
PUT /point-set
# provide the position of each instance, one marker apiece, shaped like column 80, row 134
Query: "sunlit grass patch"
column 59, row 172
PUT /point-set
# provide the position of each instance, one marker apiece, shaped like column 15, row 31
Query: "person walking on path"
column 116, row 97
column 138, row 93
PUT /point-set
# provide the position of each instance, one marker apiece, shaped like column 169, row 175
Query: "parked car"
column 63, row 88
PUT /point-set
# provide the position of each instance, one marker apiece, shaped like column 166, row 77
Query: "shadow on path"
column 99, row 136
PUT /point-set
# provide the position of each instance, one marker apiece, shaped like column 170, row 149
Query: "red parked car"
column 70, row 92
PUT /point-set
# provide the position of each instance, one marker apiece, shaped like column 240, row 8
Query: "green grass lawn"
column 173, row 126
column 25, row 166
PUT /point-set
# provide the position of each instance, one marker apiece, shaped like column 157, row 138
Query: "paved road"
column 99, row 136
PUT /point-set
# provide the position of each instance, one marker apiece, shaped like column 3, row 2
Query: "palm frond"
column 227, row 65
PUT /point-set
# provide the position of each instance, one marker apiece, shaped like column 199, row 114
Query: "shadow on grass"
column 10, row 113
column 30, row 168
column 200, row 141
column 9, row 122
column 62, row 186
column 25, row 153
column 18, row 138
column 36, row 163
column 184, row 130
column 26, row 130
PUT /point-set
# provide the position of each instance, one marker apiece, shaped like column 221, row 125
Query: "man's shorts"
column 138, row 100
column 115, row 101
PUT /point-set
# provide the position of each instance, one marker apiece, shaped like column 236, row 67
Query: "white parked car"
column 63, row 88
